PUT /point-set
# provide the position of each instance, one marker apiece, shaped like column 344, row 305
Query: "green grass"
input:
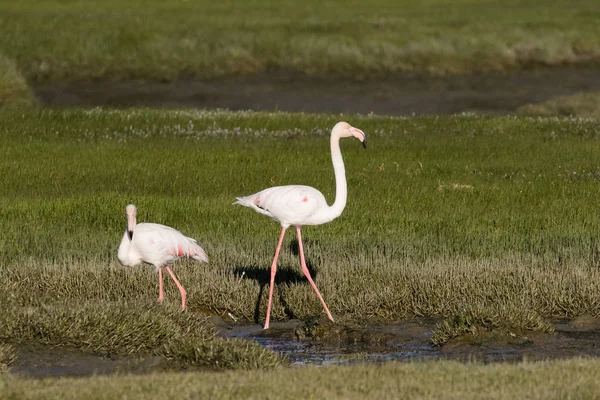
column 91, row 39
column 585, row 105
column 576, row 378
column 446, row 215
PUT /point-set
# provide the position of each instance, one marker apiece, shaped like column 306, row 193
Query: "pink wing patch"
column 179, row 251
column 305, row 199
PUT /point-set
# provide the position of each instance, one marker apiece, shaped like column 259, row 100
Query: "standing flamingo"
column 304, row 205
column 158, row 245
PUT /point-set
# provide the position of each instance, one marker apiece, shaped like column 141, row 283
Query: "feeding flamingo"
column 158, row 245
column 299, row 205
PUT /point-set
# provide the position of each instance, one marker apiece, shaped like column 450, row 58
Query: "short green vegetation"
column 162, row 40
column 576, row 378
column 466, row 218
column 586, row 105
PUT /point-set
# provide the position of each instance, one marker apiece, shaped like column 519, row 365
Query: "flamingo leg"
column 161, row 293
column 307, row 274
column 181, row 289
column 273, row 272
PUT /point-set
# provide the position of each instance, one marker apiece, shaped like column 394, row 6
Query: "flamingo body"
column 158, row 245
column 290, row 205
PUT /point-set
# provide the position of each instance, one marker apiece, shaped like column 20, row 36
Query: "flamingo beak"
column 360, row 135
column 130, row 225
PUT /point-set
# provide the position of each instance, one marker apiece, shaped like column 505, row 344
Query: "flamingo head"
column 130, row 211
column 344, row 129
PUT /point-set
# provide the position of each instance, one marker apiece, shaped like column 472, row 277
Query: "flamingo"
column 300, row 205
column 157, row 245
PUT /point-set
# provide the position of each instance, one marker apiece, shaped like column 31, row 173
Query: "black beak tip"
column 364, row 143
column 130, row 234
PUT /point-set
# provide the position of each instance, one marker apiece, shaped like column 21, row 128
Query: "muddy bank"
column 397, row 95
column 44, row 361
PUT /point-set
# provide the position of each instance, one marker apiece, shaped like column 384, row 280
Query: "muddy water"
column 490, row 93
column 324, row 343
column 320, row 342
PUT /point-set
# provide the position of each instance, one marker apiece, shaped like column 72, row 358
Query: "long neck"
column 341, row 190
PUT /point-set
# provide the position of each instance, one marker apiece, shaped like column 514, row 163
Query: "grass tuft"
column 476, row 322
column 7, row 356
column 14, row 91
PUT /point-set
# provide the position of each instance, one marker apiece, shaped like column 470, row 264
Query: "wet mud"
column 489, row 93
column 36, row 361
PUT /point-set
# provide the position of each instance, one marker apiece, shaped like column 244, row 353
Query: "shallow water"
column 411, row 340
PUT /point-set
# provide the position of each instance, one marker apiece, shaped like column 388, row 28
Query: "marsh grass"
column 476, row 322
column 559, row 379
column 170, row 39
column 521, row 241
column 131, row 328
column 586, row 105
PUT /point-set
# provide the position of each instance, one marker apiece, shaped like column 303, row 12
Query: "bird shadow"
column 285, row 275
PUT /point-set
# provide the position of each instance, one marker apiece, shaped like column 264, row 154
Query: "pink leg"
column 181, row 289
column 273, row 271
column 307, row 274
column 161, row 294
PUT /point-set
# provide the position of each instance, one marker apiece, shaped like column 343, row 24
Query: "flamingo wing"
column 160, row 244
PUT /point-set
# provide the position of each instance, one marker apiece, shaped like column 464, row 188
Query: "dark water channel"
column 484, row 93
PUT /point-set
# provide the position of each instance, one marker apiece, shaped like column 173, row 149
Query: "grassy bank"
column 494, row 219
column 586, row 105
column 57, row 40
column 576, row 378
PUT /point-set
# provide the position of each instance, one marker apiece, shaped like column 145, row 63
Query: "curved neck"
column 341, row 190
